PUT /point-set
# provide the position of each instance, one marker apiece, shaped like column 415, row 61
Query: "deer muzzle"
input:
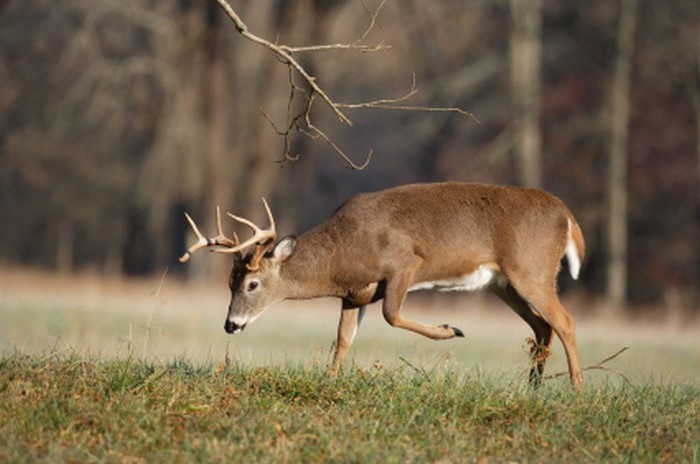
column 231, row 327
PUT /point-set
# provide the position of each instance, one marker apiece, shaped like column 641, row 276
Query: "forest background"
column 115, row 117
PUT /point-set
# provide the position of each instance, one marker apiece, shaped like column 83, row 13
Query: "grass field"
column 119, row 371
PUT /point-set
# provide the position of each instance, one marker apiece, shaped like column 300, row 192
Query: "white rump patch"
column 572, row 254
column 481, row 278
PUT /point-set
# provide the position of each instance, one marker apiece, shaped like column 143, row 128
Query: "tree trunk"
column 617, row 181
column 525, row 64
column 696, row 94
column 65, row 245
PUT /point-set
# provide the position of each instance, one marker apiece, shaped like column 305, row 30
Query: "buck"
column 382, row 245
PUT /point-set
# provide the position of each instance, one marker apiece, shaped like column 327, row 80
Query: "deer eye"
column 252, row 285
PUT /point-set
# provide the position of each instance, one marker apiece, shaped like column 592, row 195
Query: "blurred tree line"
column 115, row 117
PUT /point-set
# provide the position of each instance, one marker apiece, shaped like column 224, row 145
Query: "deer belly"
column 482, row 277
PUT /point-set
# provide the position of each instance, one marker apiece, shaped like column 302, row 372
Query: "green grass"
column 93, row 370
column 71, row 408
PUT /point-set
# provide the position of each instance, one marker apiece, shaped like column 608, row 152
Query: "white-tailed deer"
column 444, row 236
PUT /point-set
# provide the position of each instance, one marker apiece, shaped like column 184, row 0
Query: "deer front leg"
column 347, row 328
column 396, row 289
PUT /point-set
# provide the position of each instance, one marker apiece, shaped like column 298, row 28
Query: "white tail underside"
column 572, row 255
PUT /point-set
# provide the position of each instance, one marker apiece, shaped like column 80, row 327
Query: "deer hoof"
column 457, row 332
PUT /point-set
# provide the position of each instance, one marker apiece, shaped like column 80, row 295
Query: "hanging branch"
column 392, row 104
column 285, row 54
column 356, row 45
column 301, row 121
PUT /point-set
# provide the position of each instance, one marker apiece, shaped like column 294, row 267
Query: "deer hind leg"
column 545, row 301
column 350, row 319
column 563, row 324
column 394, row 297
column 542, row 330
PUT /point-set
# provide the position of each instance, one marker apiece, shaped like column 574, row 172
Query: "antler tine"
column 259, row 235
column 203, row 242
column 221, row 239
column 255, row 228
column 219, row 230
column 270, row 217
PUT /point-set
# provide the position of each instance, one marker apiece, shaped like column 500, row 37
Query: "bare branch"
column 285, row 56
column 293, row 120
column 372, row 19
column 384, row 101
column 356, row 45
column 350, row 163
column 316, row 133
column 336, row 46
column 392, row 104
column 301, row 121
column 599, row 366
column 425, row 109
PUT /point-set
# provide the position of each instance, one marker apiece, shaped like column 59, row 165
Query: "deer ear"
column 284, row 249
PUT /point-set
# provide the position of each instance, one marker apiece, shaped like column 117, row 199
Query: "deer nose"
column 232, row 327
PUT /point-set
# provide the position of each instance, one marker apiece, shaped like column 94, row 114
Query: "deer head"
column 253, row 279
column 254, row 289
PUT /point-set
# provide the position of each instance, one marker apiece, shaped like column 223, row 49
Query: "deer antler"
column 203, row 242
column 262, row 238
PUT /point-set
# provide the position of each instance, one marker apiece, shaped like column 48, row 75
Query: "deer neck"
column 308, row 271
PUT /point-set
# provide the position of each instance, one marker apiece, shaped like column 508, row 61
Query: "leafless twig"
column 301, row 121
column 319, row 133
column 355, row 45
column 155, row 306
column 599, row 366
column 284, row 55
column 393, row 104
column 418, row 370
